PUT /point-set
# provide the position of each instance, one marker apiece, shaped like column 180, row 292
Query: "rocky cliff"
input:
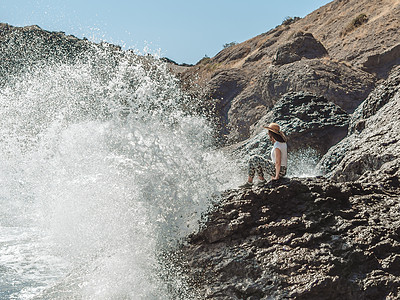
column 31, row 47
column 337, row 51
column 332, row 237
column 299, row 239
column 24, row 47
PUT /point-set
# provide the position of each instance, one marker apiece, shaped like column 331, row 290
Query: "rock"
column 371, row 151
column 337, row 82
column 333, row 237
column 382, row 63
column 232, row 53
column 299, row 238
column 309, row 122
column 240, row 104
column 379, row 97
column 302, row 45
column 224, row 87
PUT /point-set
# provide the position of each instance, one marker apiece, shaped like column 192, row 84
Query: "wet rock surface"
column 299, row 239
column 16, row 56
column 31, row 47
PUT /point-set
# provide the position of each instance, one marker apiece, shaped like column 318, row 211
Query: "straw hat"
column 273, row 127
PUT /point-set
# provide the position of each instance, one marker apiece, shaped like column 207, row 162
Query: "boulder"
column 224, row 86
column 309, row 122
column 382, row 63
column 301, row 45
column 240, row 103
column 337, row 82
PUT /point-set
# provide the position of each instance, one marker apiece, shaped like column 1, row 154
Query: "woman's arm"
column 277, row 163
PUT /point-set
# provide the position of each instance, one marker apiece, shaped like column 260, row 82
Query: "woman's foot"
column 246, row 185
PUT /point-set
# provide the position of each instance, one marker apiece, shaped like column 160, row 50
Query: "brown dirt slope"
column 328, row 24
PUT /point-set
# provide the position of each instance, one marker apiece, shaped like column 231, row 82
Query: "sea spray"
column 303, row 163
column 109, row 164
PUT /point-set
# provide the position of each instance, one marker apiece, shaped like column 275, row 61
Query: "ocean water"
column 105, row 166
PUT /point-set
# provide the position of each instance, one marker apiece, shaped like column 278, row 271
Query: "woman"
column 275, row 168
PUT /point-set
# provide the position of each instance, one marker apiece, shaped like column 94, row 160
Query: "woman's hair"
column 277, row 137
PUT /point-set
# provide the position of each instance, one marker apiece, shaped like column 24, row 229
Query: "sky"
column 182, row 30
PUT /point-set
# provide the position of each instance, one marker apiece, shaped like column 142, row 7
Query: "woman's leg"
column 257, row 165
column 261, row 166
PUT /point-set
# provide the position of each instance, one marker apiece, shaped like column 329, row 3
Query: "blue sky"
column 184, row 31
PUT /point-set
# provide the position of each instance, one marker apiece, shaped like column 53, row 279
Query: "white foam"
column 111, row 170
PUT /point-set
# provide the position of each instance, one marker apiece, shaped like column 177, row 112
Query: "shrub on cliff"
column 227, row 45
column 205, row 60
column 355, row 23
column 290, row 20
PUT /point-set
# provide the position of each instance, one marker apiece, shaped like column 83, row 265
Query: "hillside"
column 338, row 51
